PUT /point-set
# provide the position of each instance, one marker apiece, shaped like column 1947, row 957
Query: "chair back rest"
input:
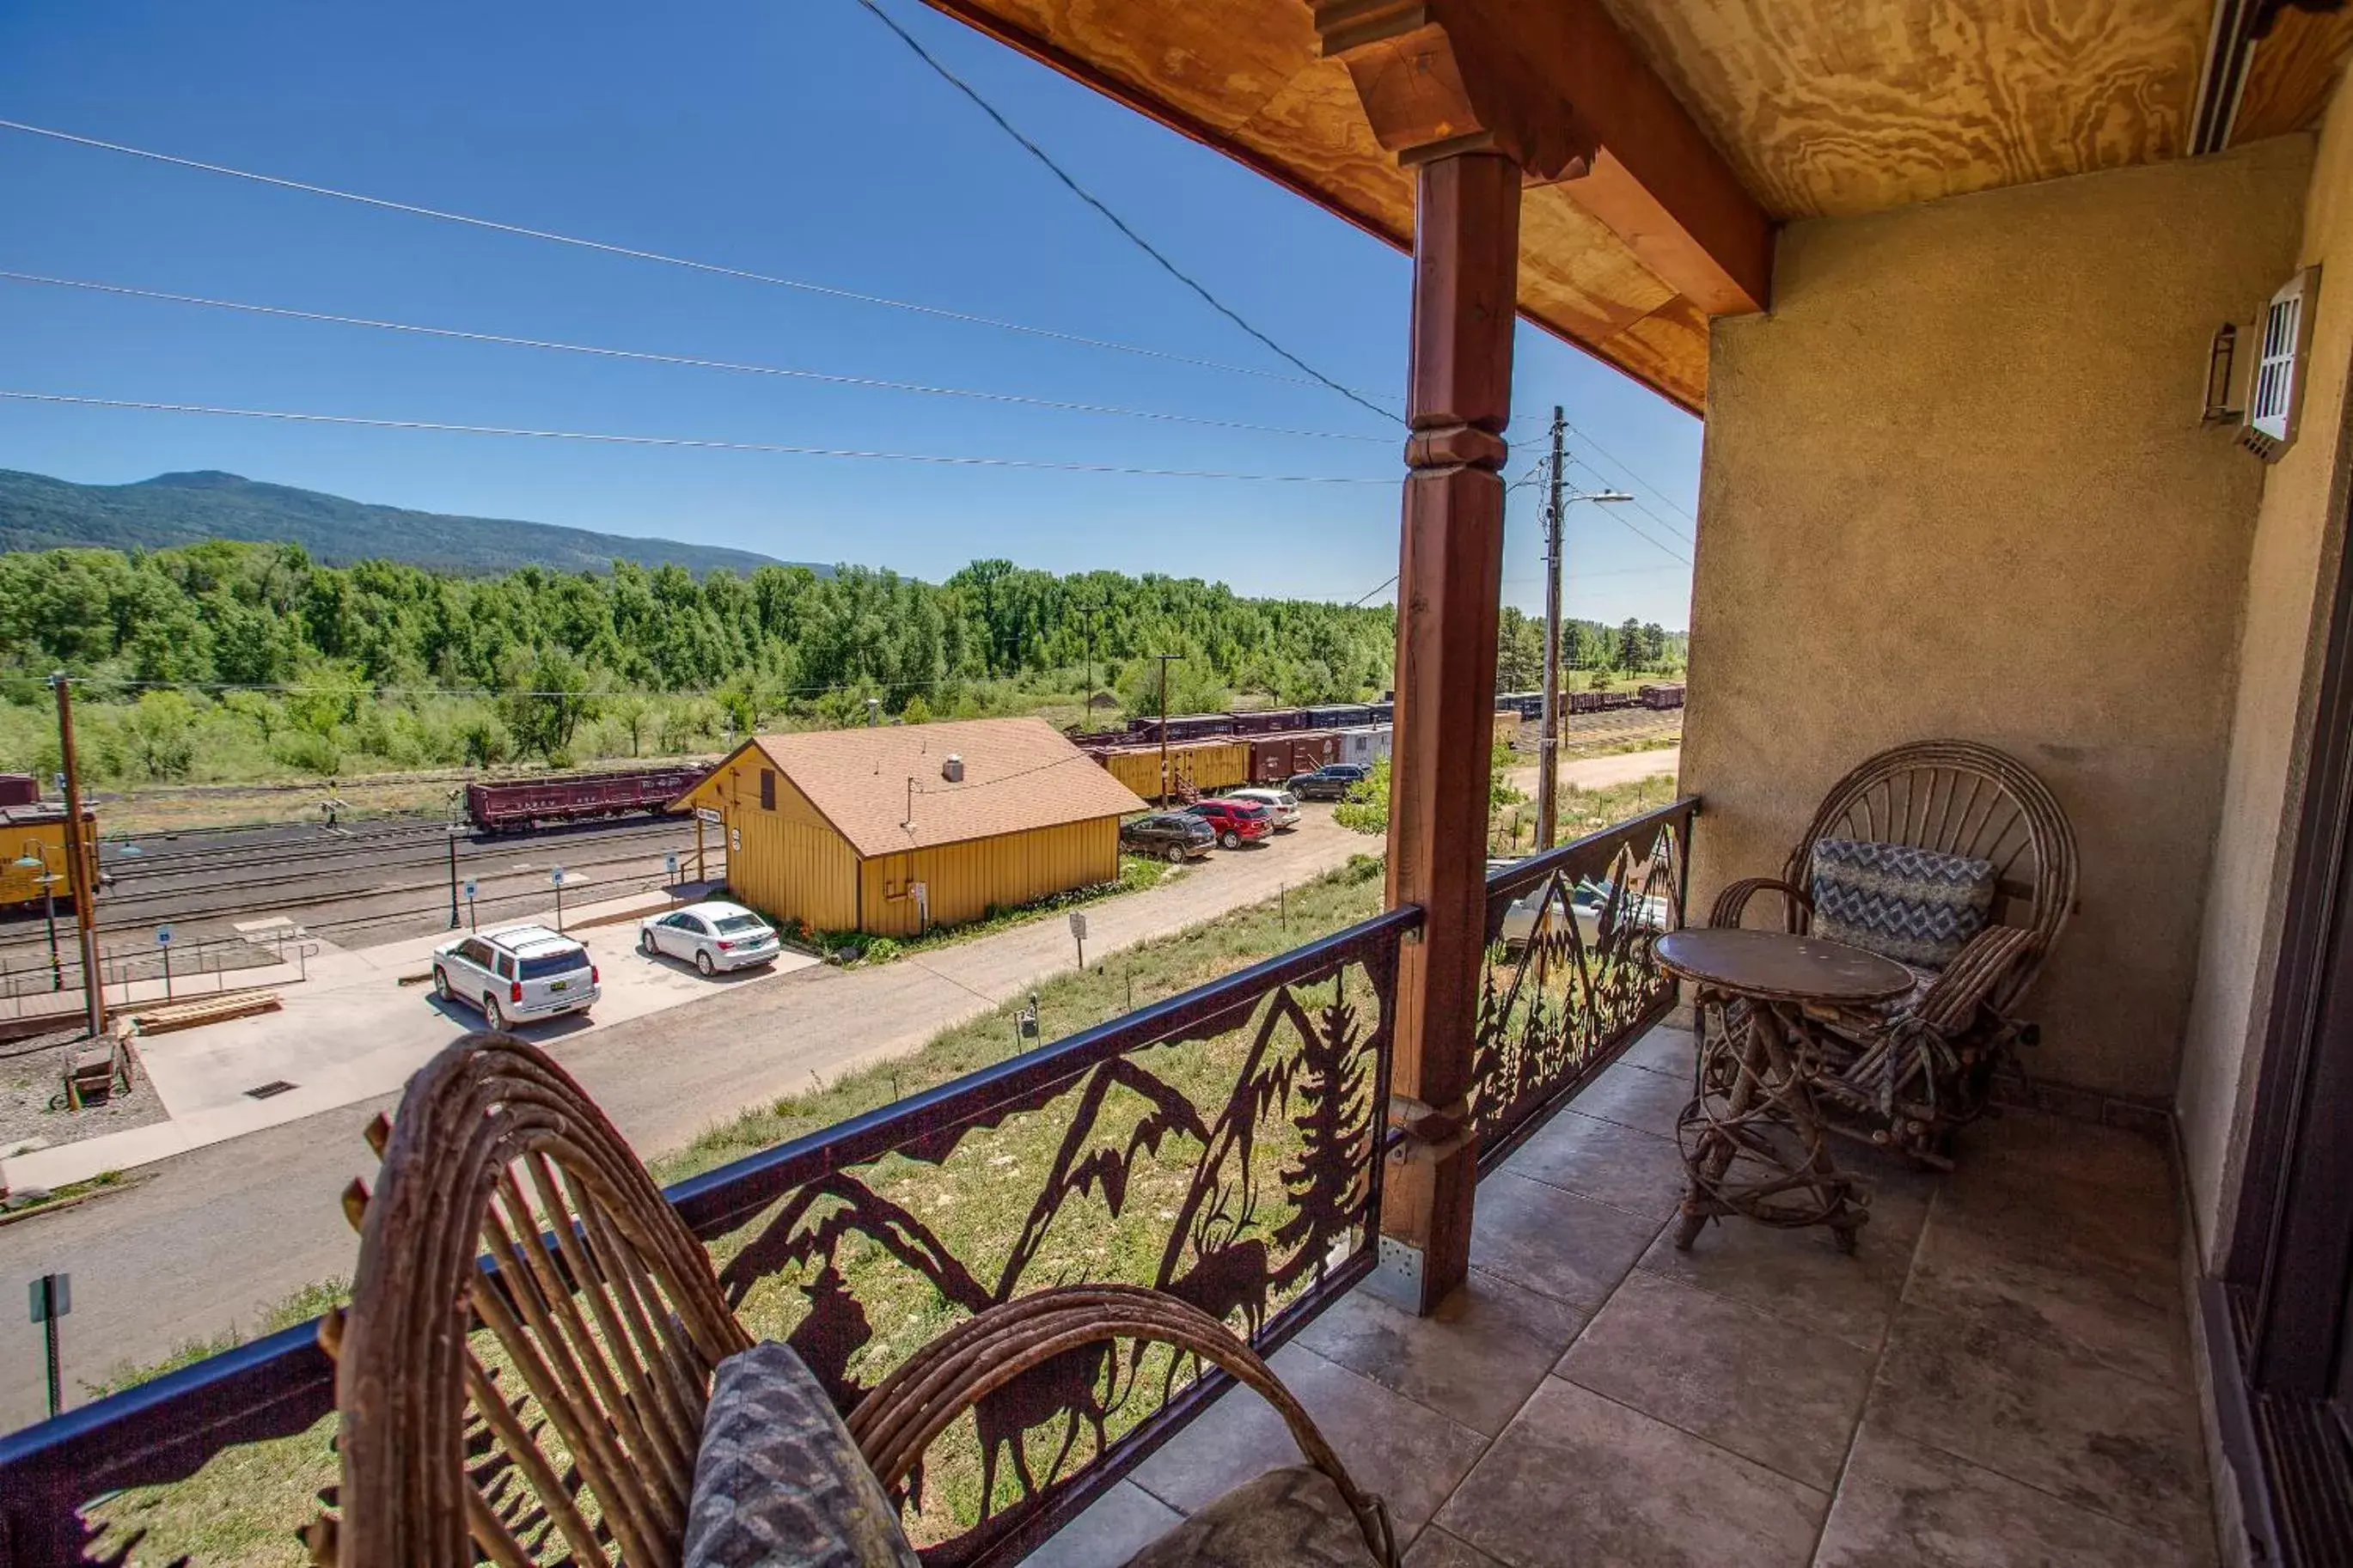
column 543, row 1404
column 1958, row 797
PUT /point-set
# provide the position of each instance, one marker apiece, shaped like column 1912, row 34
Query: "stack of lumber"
column 163, row 1018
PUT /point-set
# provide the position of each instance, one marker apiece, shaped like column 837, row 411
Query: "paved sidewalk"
column 354, row 1031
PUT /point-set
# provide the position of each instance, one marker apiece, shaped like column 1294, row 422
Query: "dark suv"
column 1237, row 821
column 1174, row 835
column 1329, row 781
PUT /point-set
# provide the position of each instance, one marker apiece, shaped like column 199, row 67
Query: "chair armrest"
column 898, row 1421
column 1952, row 998
column 1731, row 903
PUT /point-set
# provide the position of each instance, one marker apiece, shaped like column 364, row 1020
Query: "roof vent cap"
column 952, row 769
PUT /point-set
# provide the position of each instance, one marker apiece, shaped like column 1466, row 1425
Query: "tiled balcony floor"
column 2000, row 1374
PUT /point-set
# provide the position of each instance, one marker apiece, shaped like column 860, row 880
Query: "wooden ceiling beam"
column 1555, row 86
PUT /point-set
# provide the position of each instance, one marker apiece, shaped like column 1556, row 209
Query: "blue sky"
column 792, row 137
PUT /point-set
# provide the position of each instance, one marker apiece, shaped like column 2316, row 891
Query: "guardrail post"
column 1466, row 260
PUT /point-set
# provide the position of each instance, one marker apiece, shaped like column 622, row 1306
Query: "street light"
column 455, row 831
column 36, row 858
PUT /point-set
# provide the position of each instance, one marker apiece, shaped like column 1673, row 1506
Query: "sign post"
column 557, row 877
column 52, row 1297
column 164, row 946
column 1079, row 934
column 470, row 903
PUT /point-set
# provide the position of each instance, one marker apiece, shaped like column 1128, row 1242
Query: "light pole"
column 36, row 858
column 454, row 831
column 1548, row 744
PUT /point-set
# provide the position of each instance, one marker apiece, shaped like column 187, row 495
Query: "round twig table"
column 1750, row 1137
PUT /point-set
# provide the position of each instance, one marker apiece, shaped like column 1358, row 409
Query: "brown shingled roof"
column 1019, row 773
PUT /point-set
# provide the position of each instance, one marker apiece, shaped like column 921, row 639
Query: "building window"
column 767, row 790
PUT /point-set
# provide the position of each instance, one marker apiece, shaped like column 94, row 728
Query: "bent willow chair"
column 1907, row 1075
column 543, row 1404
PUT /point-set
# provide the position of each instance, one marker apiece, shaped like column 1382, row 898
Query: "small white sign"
column 469, row 887
column 708, row 814
column 1079, row 925
column 162, row 936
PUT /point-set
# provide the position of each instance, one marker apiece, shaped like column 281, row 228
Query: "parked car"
column 1329, row 781
column 712, row 935
column 1236, row 822
column 1174, row 835
column 515, row 975
column 1281, row 804
column 1588, row 900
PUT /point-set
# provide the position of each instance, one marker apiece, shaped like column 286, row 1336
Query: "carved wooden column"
column 1449, row 575
column 1451, row 96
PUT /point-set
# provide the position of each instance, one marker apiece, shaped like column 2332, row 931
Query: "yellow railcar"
column 1202, row 765
column 37, row 833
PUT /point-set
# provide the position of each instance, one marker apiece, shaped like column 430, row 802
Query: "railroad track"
column 128, row 890
column 308, row 880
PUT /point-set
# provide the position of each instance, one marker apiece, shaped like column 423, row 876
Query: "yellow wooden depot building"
column 891, row 830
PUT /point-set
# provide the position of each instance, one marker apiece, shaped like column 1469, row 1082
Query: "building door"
column 2279, row 1320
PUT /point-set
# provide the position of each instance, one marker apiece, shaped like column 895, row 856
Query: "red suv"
column 1238, row 822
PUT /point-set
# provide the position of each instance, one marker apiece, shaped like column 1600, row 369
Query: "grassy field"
column 243, row 1508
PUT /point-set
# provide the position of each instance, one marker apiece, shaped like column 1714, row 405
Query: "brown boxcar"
column 1274, row 758
column 1270, row 721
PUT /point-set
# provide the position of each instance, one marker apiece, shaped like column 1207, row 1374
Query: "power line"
column 1142, row 244
column 716, row 268
column 1373, row 590
column 1645, row 535
column 693, row 362
column 1590, row 444
column 1681, row 532
column 679, row 441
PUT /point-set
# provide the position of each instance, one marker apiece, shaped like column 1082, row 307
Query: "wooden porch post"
column 1465, row 274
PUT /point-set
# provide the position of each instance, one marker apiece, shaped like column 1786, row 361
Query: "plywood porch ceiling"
column 1822, row 107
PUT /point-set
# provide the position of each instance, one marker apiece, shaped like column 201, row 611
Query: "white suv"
column 1281, row 804
column 515, row 975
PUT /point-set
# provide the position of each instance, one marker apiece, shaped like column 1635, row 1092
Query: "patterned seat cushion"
column 777, row 1480
column 1915, row 906
column 1290, row 1518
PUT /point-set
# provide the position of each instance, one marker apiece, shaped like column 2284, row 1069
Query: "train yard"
column 350, row 885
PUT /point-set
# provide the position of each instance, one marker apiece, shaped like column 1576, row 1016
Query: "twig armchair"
column 1908, row 1074
column 524, row 1368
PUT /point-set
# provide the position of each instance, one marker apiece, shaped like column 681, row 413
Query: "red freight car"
column 1274, row 758
column 19, row 789
column 576, row 797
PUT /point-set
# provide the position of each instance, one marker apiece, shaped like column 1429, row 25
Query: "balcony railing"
column 1570, row 979
column 1226, row 1145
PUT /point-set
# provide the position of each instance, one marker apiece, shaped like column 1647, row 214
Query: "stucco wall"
column 1953, row 484
column 2298, row 539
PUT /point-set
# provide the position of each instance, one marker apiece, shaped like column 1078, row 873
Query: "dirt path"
column 1600, row 772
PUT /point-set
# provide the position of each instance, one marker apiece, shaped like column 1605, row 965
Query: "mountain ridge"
column 40, row 513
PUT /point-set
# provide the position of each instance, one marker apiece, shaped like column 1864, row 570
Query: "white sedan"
column 712, row 935
column 1588, row 900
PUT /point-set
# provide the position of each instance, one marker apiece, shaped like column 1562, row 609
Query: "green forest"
column 229, row 660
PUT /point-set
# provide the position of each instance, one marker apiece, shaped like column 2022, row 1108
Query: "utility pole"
column 78, row 867
column 1087, row 699
column 1164, row 658
column 1548, row 738
column 1557, row 499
